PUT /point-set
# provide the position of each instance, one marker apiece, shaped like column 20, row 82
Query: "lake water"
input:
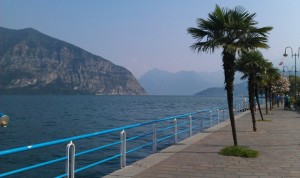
column 35, row 119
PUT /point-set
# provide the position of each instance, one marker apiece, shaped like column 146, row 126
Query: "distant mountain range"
column 34, row 63
column 160, row 82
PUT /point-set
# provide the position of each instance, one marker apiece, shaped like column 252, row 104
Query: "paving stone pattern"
column 277, row 140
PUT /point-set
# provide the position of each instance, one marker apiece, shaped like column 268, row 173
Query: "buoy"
column 4, row 119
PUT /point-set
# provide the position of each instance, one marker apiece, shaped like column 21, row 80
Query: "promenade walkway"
column 277, row 140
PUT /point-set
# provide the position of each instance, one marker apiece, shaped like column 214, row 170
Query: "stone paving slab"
column 277, row 140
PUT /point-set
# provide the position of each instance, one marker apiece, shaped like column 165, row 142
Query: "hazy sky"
column 145, row 34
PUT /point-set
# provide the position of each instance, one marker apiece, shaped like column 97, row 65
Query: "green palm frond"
column 250, row 63
column 234, row 30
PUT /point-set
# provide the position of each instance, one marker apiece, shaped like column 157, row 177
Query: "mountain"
column 34, row 63
column 160, row 82
column 240, row 89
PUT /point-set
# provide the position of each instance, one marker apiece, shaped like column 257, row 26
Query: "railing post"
column 123, row 149
column 201, row 122
column 70, row 151
column 218, row 116
column 228, row 114
column 235, row 110
column 191, row 125
column 154, row 145
column 175, row 126
column 223, row 114
column 210, row 117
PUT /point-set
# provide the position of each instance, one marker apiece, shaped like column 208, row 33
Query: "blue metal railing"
column 172, row 128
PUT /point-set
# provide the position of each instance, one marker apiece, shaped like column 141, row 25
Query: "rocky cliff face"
column 34, row 63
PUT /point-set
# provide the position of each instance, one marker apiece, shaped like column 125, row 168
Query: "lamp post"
column 283, row 71
column 293, row 55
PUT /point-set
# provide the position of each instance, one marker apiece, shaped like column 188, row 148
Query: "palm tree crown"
column 233, row 30
column 251, row 63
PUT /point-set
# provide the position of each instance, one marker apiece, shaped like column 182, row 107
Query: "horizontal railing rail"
column 175, row 128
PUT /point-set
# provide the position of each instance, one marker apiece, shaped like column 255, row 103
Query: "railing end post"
column 70, row 154
column 123, row 149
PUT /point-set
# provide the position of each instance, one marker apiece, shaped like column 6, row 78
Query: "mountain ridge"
column 35, row 63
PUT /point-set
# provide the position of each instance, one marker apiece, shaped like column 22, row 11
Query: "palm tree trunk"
column 273, row 100
column 251, row 90
column 270, row 98
column 257, row 101
column 229, row 70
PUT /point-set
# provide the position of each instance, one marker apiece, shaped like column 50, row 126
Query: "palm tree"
column 251, row 65
column 260, row 82
column 264, row 65
column 271, row 74
column 234, row 31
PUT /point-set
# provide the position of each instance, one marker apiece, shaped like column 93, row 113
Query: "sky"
column 142, row 35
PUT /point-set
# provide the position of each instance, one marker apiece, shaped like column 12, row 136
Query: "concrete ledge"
column 144, row 164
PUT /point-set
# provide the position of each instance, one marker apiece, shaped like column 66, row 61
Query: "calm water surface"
column 35, row 119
